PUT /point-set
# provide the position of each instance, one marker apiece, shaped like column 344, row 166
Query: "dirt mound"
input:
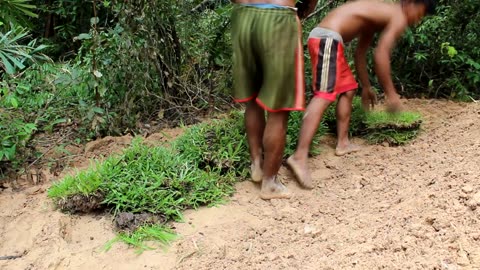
column 409, row 207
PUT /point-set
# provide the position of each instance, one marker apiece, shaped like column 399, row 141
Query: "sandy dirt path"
column 410, row 207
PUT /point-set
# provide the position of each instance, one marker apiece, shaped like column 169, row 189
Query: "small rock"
column 474, row 201
column 308, row 229
column 467, row 189
column 311, row 230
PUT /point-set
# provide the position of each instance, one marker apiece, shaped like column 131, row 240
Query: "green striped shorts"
column 268, row 58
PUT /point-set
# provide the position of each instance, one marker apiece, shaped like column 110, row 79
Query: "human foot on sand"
column 301, row 173
column 274, row 190
column 256, row 172
column 350, row 148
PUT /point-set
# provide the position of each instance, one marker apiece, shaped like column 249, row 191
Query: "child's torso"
column 354, row 18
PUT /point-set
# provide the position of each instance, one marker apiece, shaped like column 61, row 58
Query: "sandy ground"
column 411, row 207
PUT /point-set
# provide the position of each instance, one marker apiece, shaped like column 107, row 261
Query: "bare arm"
column 387, row 41
column 361, row 59
column 369, row 98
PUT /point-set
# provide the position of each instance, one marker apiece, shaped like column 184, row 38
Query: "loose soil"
column 410, row 207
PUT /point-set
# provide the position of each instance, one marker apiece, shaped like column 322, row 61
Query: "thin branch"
column 318, row 10
column 49, row 149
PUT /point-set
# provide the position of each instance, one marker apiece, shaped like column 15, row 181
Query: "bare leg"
column 274, row 145
column 311, row 121
column 344, row 112
column 255, row 126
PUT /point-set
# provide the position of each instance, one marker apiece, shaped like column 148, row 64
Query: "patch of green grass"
column 221, row 145
column 217, row 146
column 83, row 182
column 158, row 180
column 153, row 180
column 382, row 119
column 137, row 239
column 394, row 129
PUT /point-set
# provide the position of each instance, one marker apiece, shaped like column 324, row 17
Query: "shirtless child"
column 332, row 76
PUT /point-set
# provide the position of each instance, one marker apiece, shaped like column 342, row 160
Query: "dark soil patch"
column 129, row 222
column 82, row 203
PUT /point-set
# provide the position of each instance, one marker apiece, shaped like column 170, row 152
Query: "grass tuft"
column 139, row 237
column 218, row 146
column 82, row 183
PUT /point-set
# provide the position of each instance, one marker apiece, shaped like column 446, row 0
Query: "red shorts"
column 331, row 74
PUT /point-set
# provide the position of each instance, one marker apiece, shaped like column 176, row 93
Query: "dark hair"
column 429, row 4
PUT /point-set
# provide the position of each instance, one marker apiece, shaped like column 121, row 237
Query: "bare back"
column 362, row 16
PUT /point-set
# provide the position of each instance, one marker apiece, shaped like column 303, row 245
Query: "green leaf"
column 10, row 152
column 84, row 36
column 14, row 102
column 94, row 21
column 15, row 61
column 98, row 110
column 9, row 68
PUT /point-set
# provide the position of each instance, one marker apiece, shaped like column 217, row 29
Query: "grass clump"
column 221, row 145
column 158, row 180
column 391, row 136
column 217, row 146
column 384, row 120
column 377, row 126
column 394, row 129
column 140, row 236
column 83, row 182
column 147, row 180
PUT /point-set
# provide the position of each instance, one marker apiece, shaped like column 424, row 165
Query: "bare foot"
column 301, row 173
column 341, row 151
column 274, row 189
column 256, row 172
